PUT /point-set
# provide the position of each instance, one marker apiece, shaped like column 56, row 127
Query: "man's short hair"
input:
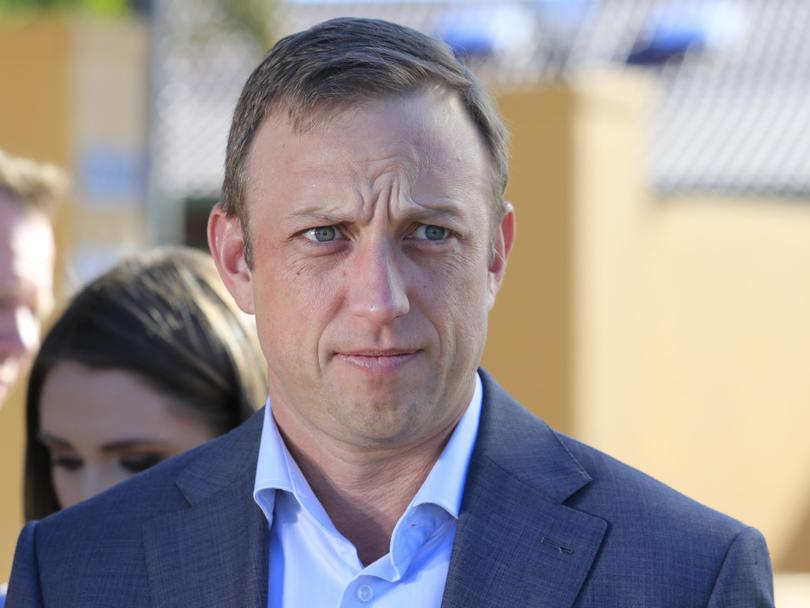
column 29, row 185
column 344, row 62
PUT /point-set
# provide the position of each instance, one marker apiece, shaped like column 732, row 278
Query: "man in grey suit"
column 363, row 223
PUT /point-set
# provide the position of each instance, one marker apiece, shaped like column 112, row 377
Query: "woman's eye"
column 69, row 463
column 429, row 232
column 323, row 234
column 136, row 464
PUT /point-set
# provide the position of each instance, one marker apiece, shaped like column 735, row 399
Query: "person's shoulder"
column 679, row 545
column 628, row 494
column 636, row 506
column 121, row 508
column 659, row 547
column 108, row 538
column 168, row 486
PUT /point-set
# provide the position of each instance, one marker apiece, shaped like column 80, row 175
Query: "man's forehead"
column 422, row 128
column 303, row 116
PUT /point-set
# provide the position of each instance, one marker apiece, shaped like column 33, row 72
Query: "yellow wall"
column 575, row 178
column 34, row 72
column 723, row 360
column 706, row 366
column 673, row 334
column 12, row 442
column 110, row 99
column 529, row 344
column 35, row 76
column 67, row 84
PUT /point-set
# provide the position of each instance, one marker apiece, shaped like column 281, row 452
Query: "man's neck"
column 365, row 492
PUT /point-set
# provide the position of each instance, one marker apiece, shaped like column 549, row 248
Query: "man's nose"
column 377, row 287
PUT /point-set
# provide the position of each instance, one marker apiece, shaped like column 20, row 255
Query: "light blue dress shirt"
column 312, row 564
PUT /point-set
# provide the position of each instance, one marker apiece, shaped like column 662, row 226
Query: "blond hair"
column 31, row 185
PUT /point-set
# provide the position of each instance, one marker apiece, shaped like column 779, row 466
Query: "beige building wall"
column 34, row 73
column 577, row 184
column 67, row 85
column 724, row 361
column 673, row 334
column 529, row 347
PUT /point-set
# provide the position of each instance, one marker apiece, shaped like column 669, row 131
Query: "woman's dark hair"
column 165, row 316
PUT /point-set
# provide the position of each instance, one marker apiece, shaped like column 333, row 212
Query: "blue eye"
column 429, row 232
column 323, row 234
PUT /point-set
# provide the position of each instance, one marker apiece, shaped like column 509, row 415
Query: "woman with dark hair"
column 147, row 361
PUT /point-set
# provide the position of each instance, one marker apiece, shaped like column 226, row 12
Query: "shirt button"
column 365, row 593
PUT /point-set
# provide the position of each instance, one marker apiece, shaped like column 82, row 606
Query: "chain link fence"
column 731, row 117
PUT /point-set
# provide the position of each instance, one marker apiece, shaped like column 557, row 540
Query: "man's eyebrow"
column 415, row 211
column 325, row 215
column 430, row 211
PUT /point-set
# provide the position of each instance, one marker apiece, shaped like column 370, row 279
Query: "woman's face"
column 104, row 426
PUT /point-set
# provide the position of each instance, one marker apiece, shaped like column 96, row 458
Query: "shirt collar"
column 277, row 470
column 444, row 486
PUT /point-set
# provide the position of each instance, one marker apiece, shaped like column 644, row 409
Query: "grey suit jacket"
column 545, row 522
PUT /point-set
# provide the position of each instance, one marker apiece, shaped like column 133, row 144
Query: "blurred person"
column 147, row 361
column 27, row 192
column 363, row 223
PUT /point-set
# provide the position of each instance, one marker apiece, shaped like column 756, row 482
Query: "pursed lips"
column 377, row 359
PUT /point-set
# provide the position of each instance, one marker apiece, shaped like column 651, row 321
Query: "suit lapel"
column 214, row 553
column 516, row 543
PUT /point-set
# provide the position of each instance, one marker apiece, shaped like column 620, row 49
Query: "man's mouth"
column 377, row 359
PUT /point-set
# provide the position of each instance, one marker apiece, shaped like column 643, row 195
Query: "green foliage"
column 254, row 18
column 96, row 7
column 106, row 7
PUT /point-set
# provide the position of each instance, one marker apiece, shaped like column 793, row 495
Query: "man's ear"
column 502, row 246
column 226, row 240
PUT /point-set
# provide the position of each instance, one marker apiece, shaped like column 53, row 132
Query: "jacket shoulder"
column 593, row 480
column 628, row 493
column 661, row 544
column 660, row 548
column 117, row 515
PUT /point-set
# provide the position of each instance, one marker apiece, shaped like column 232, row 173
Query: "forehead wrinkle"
column 404, row 202
column 385, row 181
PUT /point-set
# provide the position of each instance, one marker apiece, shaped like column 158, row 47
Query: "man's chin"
column 385, row 415
column 380, row 427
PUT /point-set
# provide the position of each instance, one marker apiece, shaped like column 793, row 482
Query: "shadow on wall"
column 797, row 556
